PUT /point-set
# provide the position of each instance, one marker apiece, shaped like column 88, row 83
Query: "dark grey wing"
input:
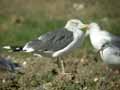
column 115, row 38
column 52, row 41
column 116, row 44
column 61, row 40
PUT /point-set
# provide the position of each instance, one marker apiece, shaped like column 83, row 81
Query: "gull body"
column 58, row 42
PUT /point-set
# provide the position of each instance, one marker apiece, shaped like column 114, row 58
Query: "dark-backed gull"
column 59, row 42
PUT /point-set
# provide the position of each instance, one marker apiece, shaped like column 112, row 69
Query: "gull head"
column 93, row 25
column 75, row 24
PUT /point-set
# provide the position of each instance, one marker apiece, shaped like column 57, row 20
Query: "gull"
column 9, row 69
column 57, row 43
column 99, row 37
column 107, row 45
column 8, row 65
column 110, row 54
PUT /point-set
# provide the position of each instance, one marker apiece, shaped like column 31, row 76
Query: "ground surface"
column 88, row 73
column 24, row 20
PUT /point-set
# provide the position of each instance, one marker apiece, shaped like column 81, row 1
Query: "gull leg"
column 62, row 73
column 62, row 67
column 60, row 63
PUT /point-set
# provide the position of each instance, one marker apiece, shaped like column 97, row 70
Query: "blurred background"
column 24, row 20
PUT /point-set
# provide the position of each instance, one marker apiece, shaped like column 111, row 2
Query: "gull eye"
column 75, row 23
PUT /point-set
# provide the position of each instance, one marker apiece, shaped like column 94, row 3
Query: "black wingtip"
column 13, row 48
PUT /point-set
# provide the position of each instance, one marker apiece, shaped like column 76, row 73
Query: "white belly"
column 98, row 40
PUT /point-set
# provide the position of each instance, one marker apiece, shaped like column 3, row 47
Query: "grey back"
column 52, row 41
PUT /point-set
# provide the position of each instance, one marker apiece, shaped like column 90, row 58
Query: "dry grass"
column 62, row 9
column 88, row 73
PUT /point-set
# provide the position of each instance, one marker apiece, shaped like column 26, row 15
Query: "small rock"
column 96, row 79
column 3, row 81
column 24, row 63
column 84, row 61
column 85, row 88
column 47, row 85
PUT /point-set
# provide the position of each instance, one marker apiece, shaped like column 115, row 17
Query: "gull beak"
column 84, row 26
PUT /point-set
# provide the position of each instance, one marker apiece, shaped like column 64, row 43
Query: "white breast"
column 98, row 39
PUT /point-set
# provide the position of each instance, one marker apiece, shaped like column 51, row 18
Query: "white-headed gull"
column 58, row 42
column 99, row 37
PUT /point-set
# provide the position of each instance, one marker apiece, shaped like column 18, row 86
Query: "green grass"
column 27, row 30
